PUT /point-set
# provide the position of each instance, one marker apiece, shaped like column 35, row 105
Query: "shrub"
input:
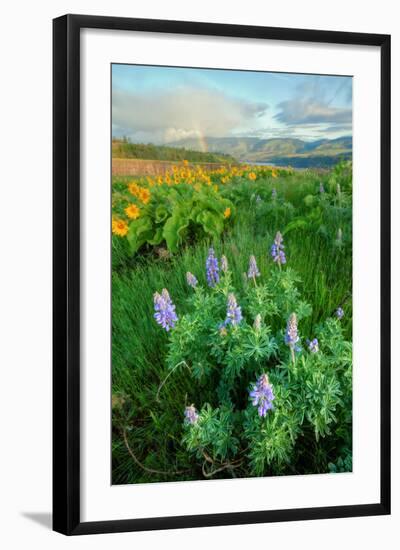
column 264, row 394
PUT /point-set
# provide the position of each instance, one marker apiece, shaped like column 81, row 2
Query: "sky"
column 165, row 104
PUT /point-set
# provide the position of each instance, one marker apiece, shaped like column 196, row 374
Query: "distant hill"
column 124, row 149
column 283, row 151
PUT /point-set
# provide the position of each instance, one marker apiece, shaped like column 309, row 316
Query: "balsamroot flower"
column 233, row 312
column 132, row 211
column 191, row 415
column 253, row 269
column 313, row 345
column 191, row 279
column 277, row 250
column 212, row 268
column 164, row 310
column 120, row 228
column 262, row 395
column 339, row 313
column 224, row 264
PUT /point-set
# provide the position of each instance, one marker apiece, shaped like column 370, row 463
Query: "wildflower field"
column 231, row 323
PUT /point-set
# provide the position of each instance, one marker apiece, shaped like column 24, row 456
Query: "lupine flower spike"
column 191, row 415
column 277, row 250
column 321, row 188
column 253, row 271
column 339, row 313
column 292, row 337
column 257, row 323
column 191, row 279
column 164, row 310
column 224, row 264
column 313, row 345
column 262, row 395
column 274, row 194
column 233, row 312
column 212, row 268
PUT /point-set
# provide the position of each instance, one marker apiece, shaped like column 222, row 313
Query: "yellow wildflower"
column 119, row 227
column 227, row 212
column 159, row 180
column 134, row 189
column 132, row 211
column 252, row 176
column 274, row 174
column 144, row 195
column 185, row 162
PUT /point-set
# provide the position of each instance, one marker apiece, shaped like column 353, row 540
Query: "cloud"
column 304, row 111
column 163, row 116
column 340, row 128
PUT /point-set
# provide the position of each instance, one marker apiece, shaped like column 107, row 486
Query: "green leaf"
column 174, row 228
column 212, row 223
column 161, row 213
column 157, row 237
column 139, row 232
column 298, row 223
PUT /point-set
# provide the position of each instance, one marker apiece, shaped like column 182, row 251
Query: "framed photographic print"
column 221, row 274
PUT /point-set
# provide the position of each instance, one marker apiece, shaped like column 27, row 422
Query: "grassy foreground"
column 317, row 232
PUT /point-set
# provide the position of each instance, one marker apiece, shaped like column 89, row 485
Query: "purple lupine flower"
column 212, row 268
column 224, row 264
column 191, row 415
column 277, row 249
column 321, row 188
column 274, row 194
column 253, row 269
column 262, row 395
column 191, row 279
column 291, row 336
column 339, row 313
column 258, row 199
column 313, row 346
column 233, row 312
column 164, row 310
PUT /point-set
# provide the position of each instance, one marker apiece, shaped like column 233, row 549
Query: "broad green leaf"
column 174, row 228
column 212, row 223
column 157, row 237
column 139, row 231
column 299, row 223
column 161, row 213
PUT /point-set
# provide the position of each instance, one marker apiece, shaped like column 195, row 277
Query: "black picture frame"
column 66, row 273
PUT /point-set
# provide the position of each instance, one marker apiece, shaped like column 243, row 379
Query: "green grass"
column 139, row 345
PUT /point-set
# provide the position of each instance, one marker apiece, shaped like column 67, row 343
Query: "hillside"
column 124, row 149
column 296, row 152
